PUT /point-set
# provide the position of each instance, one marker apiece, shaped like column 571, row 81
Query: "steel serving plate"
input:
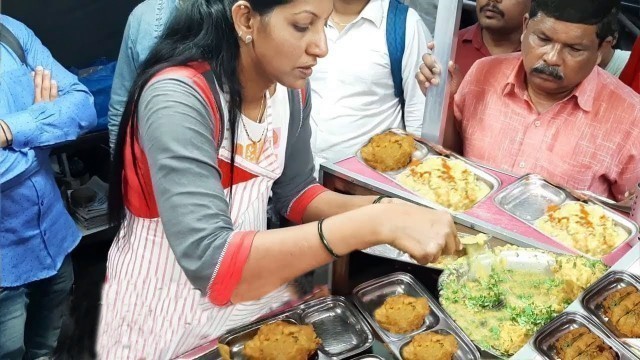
column 419, row 154
column 388, row 251
column 591, row 300
column 342, row 329
column 372, row 294
column 424, row 151
column 369, row 357
column 529, row 198
column 544, row 340
column 521, row 259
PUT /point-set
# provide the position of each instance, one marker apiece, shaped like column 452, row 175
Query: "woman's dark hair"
column 200, row 30
column 602, row 13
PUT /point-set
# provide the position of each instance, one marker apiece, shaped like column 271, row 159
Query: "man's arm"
column 48, row 123
column 416, row 44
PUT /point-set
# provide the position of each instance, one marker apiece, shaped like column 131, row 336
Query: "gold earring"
column 248, row 39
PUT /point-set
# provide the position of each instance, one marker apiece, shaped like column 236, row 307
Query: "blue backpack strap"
column 396, row 37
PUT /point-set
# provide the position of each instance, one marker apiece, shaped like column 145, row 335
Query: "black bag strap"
column 7, row 38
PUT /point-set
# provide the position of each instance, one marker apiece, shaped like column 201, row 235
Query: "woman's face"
column 288, row 42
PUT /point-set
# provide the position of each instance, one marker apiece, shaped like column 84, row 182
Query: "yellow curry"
column 501, row 310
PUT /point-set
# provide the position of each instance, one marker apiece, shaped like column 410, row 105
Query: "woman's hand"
column 422, row 233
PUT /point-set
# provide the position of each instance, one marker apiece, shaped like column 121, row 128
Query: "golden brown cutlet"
column 388, row 151
column 430, row 346
column 402, row 314
column 580, row 345
column 565, row 341
column 282, row 341
column 625, row 305
column 629, row 324
column 613, row 299
column 600, row 351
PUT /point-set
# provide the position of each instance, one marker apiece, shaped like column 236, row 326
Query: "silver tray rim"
column 550, row 330
column 588, row 297
column 626, row 224
column 295, row 314
column 482, row 175
column 394, row 343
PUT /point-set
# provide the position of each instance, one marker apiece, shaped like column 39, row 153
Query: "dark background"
column 80, row 31
column 76, row 31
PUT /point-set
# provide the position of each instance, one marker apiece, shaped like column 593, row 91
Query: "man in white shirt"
column 353, row 88
column 613, row 60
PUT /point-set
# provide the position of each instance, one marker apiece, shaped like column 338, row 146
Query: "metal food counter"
column 351, row 176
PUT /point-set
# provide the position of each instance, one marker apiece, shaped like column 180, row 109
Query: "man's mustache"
column 552, row 71
column 493, row 7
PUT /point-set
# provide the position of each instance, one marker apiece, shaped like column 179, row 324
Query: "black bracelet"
column 325, row 242
column 380, row 198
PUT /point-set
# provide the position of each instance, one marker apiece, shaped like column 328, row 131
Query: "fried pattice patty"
column 282, row 341
column 431, row 346
column 402, row 314
column 622, row 307
column 582, row 344
column 388, row 151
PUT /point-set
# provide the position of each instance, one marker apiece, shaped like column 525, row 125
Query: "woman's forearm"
column 331, row 203
column 279, row 256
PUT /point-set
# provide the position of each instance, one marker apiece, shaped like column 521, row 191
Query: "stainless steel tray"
column 389, row 252
column 343, row 331
column 369, row 357
column 529, row 198
column 591, row 300
column 425, row 151
column 419, row 154
column 544, row 340
column 372, row 294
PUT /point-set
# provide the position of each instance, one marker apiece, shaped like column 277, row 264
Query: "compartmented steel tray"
column 342, row 329
column 591, row 300
column 425, row 151
column 372, row 294
column 544, row 340
column 529, row 198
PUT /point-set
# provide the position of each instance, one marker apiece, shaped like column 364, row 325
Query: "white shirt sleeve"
column 415, row 46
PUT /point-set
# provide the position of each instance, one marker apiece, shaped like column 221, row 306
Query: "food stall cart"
column 491, row 216
column 363, row 278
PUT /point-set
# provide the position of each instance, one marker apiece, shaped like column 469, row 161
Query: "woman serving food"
column 216, row 121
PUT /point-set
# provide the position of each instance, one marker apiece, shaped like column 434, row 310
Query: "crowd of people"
column 221, row 113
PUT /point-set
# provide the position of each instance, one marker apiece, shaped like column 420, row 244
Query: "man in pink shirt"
column 497, row 32
column 550, row 110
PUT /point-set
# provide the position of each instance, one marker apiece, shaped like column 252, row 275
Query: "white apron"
column 150, row 310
